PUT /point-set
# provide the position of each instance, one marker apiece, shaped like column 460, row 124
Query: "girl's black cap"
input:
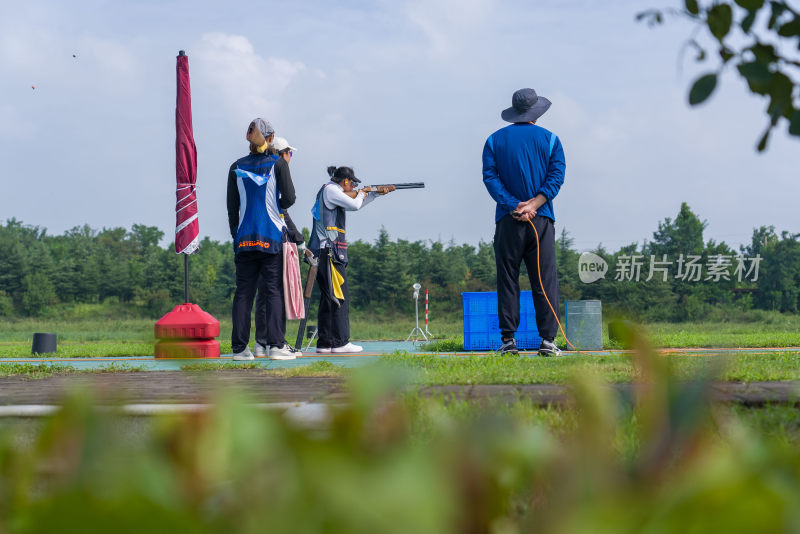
column 345, row 173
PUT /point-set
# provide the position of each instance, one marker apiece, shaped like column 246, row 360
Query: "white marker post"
column 417, row 329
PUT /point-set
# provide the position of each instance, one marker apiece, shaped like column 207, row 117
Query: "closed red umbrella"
column 187, row 331
column 187, row 228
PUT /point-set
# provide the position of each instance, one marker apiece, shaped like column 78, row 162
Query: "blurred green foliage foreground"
column 662, row 460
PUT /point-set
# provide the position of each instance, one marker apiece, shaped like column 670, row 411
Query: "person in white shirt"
column 328, row 244
column 270, row 316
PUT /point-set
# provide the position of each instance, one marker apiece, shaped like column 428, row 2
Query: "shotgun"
column 312, row 276
column 407, row 185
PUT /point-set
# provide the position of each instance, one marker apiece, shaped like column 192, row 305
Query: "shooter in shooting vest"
column 328, row 244
column 257, row 191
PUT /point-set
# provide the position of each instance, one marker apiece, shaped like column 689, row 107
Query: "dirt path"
column 186, row 387
column 169, row 386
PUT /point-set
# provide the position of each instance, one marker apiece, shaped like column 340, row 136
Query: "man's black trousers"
column 249, row 266
column 515, row 242
column 333, row 323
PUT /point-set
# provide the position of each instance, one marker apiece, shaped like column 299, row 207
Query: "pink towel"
column 292, row 286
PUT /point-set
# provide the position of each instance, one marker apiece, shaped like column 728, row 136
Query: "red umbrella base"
column 187, row 321
column 188, row 348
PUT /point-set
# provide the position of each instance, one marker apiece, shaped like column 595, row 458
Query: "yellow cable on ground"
column 539, row 272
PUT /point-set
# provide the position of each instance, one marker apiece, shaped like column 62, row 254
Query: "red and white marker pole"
column 426, row 313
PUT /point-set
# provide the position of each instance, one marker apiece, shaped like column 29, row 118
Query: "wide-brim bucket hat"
column 526, row 106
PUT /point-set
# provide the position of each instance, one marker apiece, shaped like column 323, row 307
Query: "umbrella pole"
column 185, row 278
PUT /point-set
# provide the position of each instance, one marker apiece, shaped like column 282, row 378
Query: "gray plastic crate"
column 584, row 323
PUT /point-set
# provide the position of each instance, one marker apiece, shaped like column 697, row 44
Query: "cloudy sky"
column 404, row 90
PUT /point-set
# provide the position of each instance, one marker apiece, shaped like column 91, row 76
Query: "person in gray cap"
column 259, row 188
column 523, row 170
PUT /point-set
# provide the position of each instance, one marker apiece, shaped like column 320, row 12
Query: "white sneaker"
column 260, row 351
column 244, row 356
column 347, row 349
column 323, row 350
column 284, row 352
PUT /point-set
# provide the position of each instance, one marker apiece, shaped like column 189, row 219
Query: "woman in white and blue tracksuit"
column 259, row 187
column 328, row 244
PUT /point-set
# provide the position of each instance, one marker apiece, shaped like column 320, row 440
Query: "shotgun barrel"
column 407, row 185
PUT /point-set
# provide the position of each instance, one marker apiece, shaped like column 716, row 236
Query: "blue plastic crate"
column 480, row 303
column 481, row 324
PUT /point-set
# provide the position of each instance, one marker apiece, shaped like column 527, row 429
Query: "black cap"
column 344, row 173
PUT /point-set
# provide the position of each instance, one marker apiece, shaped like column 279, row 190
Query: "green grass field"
column 469, row 370
column 782, row 332
column 429, row 370
column 134, row 337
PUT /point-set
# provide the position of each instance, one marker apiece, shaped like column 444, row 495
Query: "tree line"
column 130, row 273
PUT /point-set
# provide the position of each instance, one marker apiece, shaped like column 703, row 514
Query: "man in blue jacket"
column 523, row 169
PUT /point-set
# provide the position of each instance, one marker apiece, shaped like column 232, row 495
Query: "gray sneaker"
column 260, row 351
column 508, row 347
column 283, row 352
column 548, row 348
column 244, row 356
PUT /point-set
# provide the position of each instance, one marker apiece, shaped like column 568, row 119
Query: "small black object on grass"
column 43, row 343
